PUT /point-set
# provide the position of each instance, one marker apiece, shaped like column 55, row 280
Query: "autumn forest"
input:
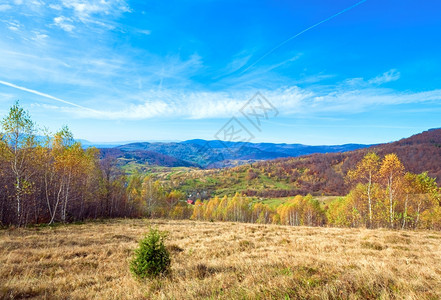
column 47, row 178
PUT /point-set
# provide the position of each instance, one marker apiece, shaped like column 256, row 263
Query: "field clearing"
column 221, row 260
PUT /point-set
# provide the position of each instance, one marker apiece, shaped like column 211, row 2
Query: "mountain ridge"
column 215, row 153
column 317, row 174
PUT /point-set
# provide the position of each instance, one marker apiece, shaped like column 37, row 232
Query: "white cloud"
column 55, row 6
column 391, row 75
column 13, row 25
column 239, row 61
column 193, row 104
column 64, row 23
column 360, row 82
column 85, row 9
column 144, row 31
column 289, row 101
column 37, row 3
column 5, row 7
column 39, row 37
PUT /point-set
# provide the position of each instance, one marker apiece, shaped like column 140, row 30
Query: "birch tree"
column 18, row 139
column 366, row 172
column 392, row 172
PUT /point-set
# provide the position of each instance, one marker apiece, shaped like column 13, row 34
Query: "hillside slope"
column 325, row 172
column 215, row 154
column 317, row 173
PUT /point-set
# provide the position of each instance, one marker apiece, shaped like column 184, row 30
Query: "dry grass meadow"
column 221, row 260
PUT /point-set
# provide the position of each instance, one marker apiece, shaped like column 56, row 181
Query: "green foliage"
column 18, row 128
column 338, row 213
column 152, row 258
column 302, row 211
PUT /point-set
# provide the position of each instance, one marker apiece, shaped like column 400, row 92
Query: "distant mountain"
column 143, row 157
column 275, row 170
column 324, row 173
column 213, row 154
column 87, row 144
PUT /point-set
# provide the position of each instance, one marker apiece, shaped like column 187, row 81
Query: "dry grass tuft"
column 221, row 260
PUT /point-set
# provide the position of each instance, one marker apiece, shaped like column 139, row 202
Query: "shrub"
column 152, row 258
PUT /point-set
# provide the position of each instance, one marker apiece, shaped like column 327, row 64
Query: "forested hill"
column 419, row 153
column 213, row 154
column 324, row 173
column 144, row 157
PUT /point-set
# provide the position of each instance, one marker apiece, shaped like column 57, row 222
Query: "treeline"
column 152, row 199
column 47, row 178
column 300, row 210
column 383, row 195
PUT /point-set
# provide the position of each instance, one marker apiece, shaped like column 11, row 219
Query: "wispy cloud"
column 13, row 25
column 290, row 101
column 97, row 14
column 55, row 6
column 144, row 31
column 84, row 9
column 391, row 75
column 136, row 84
column 44, row 95
column 39, row 37
column 5, row 7
column 82, row 16
column 239, row 61
column 64, row 23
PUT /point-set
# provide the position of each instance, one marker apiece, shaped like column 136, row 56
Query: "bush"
column 152, row 258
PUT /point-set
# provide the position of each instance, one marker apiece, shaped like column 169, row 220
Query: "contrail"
column 45, row 95
column 302, row 32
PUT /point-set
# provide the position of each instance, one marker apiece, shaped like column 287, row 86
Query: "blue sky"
column 115, row 70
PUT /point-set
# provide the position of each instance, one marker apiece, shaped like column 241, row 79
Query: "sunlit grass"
column 221, row 260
